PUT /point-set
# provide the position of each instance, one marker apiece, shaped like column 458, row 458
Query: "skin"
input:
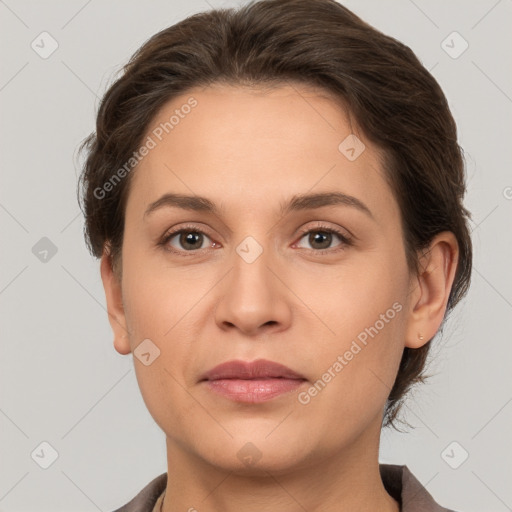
column 249, row 151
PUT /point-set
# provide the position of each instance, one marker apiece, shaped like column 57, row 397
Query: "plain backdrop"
column 62, row 382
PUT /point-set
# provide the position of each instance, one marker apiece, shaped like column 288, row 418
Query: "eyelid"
column 344, row 235
column 321, row 225
column 172, row 232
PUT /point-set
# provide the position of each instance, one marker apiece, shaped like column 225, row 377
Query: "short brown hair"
column 395, row 101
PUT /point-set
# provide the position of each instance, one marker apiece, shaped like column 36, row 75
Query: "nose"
column 253, row 297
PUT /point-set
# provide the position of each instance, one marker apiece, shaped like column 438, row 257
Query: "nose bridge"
column 252, row 296
column 251, row 258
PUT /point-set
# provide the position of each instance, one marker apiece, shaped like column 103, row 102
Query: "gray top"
column 398, row 481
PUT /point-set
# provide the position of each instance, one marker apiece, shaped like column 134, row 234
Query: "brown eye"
column 190, row 240
column 320, row 239
column 186, row 240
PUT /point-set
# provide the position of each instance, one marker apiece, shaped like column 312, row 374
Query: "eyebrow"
column 296, row 203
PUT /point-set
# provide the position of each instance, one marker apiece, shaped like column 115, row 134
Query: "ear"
column 431, row 289
column 115, row 308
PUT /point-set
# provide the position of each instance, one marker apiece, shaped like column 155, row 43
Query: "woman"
column 275, row 194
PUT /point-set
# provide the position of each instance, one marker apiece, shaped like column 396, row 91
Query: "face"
column 318, row 285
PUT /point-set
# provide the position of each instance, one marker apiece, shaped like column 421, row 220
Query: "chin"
column 255, row 454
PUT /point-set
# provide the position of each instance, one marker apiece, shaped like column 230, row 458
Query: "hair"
column 395, row 101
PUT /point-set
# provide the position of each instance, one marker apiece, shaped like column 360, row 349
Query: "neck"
column 343, row 481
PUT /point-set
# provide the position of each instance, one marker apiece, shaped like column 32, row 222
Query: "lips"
column 252, row 382
column 258, row 369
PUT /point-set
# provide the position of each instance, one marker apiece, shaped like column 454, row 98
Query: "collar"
column 398, row 481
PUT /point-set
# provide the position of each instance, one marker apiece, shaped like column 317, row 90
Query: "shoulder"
column 145, row 500
column 397, row 479
column 408, row 490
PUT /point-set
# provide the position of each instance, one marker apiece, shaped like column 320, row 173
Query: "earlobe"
column 434, row 282
column 115, row 309
column 122, row 345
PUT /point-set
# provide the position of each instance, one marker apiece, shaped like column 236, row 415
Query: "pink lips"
column 252, row 382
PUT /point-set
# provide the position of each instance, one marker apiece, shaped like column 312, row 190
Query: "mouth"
column 252, row 382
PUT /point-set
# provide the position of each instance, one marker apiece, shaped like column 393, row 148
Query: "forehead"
column 249, row 144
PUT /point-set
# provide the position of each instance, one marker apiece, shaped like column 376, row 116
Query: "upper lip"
column 260, row 368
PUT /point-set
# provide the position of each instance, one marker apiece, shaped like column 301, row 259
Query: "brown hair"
column 396, row 102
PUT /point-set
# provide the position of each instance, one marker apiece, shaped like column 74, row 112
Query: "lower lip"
column 253, row 391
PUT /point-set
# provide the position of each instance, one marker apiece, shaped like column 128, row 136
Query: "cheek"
column 166, row 400
column 169, row 306
column 153, row 299
column 355, row 371
column 337, row 314
column 158, row 309
column 364, row 307
column 157, row 313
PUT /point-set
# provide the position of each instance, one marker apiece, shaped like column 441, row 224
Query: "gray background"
column 61, row 381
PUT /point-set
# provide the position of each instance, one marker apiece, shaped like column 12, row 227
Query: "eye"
column 186, row 239
column 190, row 239
column 320, row 239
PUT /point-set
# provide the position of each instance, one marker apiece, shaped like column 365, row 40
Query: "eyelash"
column 346, row 241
